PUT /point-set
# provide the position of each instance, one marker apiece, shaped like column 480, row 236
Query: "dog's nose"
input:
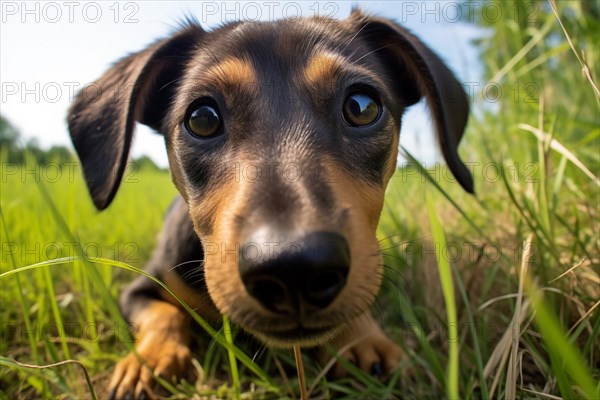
column 295, row 277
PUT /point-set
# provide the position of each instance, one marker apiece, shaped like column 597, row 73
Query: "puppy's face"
column 282, row 137
column 282, row 132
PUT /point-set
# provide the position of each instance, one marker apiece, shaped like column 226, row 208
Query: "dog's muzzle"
column 295, row 277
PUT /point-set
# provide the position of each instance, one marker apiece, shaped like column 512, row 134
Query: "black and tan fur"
column 280, row 87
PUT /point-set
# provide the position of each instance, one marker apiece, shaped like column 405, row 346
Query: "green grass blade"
column 415, row 326
column 23, row 303
column 452, row 389
column 56, row 313
column 476, row 348
column 235, row 377
column 565, row 357
column 107, row 298
column 429, row 178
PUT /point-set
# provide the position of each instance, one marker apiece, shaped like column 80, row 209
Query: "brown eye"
column 204, row 121
column 360, row 109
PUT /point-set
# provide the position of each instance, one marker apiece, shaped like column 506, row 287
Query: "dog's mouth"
column 299, row 335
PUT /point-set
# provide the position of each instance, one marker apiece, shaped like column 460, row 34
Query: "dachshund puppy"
column 281, row 138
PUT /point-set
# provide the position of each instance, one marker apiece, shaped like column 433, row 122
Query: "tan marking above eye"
column 322, row 68
column 233, row 71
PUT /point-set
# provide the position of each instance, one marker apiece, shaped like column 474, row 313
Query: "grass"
column 492, row 296
column 445, row 273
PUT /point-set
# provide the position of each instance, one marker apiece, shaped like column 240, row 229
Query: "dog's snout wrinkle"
column 296, row 277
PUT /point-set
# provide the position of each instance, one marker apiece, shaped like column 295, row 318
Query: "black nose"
column 295, row 277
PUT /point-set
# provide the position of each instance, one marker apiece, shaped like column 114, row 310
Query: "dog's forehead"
column 285, row 40
column 273, row 51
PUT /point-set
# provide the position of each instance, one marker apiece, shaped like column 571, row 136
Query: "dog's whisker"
column 398, row 245
column 376, row 50
column 192, row 274
column 406, row 241
column 355, row 35
column 391, row 283
column 398, row 258
column 166, row 85
column 197, row 282
column 388, row 269
column 199, row 261
column 259, row 352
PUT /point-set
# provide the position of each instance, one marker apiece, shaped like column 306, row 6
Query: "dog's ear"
column 138, row 88
column 418, row 72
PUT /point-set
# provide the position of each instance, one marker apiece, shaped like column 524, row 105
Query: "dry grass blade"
column 58, row 364
column 583, row 317
column 300, row 368
column 511, row 373
column 501, row 352
column 556, row 146
column 567, row 271
column 541, row 394
column 584, row 67
column 535, row 39
column 286, row 382
column 508, row 344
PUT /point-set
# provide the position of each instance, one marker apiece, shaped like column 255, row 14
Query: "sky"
column 50, row 50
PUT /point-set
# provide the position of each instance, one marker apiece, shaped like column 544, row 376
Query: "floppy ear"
column 138, row 88
column 420, row 73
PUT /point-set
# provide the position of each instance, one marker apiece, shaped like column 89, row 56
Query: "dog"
column 310, row 110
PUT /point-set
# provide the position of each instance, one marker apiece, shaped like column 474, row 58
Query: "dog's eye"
column 360, row 109
column 204, row 120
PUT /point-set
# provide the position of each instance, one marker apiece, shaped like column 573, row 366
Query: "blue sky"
column 50, row 49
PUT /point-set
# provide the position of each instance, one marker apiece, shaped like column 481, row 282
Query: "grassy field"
column 492, row 296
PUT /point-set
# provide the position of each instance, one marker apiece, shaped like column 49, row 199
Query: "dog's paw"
column 365, row 345
column 375, row 354
column 133, row 376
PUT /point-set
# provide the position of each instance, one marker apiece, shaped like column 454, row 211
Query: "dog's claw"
column 376, row 369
